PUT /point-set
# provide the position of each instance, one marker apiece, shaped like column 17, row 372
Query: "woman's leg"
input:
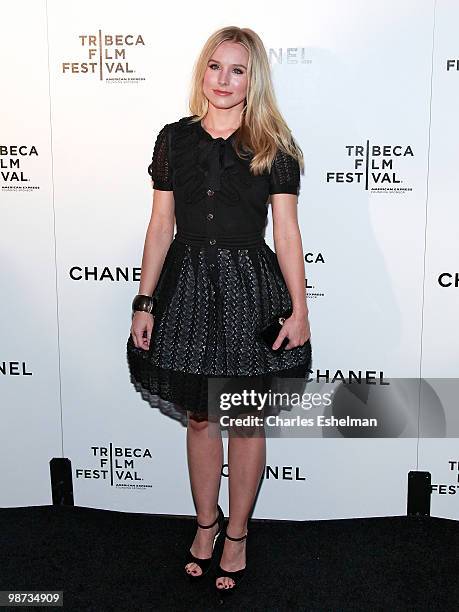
column 246, row 462
column 205, row 461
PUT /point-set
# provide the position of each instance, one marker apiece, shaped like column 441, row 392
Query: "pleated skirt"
column 207, row 324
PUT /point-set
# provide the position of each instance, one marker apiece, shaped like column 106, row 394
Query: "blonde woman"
column 206, row 293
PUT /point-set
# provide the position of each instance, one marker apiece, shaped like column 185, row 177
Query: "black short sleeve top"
column 212, row 184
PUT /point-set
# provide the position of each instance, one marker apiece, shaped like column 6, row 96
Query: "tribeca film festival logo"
column 12, row 173
column 375, row 167
column 450, row 488
column 106, row 57
column 119, row 466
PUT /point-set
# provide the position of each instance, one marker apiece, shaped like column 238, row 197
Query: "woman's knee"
column 197, row 422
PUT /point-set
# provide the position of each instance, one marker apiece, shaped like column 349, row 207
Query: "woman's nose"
column 223, row 80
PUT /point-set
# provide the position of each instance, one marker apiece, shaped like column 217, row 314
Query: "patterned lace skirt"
column 207, row 324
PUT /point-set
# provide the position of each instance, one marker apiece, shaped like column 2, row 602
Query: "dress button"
column 210, row 216
column 210, row 192
column 212, row 241
column 212, row 265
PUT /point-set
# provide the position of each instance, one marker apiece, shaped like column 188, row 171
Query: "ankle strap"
column 236, row 539
column 209, row 526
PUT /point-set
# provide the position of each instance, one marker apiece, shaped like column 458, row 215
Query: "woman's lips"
column 218, row 92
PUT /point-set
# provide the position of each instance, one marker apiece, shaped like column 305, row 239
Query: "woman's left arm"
column 289, row 251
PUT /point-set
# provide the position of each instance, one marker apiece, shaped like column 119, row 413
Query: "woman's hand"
column 296, row 328
column 142, row 322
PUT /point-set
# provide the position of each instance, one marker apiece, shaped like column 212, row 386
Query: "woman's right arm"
column 160, row 233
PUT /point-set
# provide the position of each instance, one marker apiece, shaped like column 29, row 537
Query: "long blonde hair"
column 263, row 130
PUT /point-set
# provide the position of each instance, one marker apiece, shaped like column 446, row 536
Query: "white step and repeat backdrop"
column 371, row 92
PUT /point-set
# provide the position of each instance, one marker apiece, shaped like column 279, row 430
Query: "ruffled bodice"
column 214, row 190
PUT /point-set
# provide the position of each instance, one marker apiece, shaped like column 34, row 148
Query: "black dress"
column 220, row 282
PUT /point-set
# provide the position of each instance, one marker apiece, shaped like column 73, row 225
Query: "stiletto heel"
column 204, row 564
column 236, row 576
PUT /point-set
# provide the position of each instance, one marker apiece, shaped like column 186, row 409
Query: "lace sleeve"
column 160, row 169
column 285, row 174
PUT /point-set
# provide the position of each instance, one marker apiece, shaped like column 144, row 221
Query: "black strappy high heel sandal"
column 205, row 564
column 236, row 576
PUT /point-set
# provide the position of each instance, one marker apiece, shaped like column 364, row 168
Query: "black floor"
column 106, row 560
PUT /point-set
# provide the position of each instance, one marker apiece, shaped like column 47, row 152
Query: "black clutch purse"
column 270, row 332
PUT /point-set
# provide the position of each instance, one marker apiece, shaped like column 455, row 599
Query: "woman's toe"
column 192, row 568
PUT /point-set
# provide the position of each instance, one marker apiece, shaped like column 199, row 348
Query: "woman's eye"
column 239, row 71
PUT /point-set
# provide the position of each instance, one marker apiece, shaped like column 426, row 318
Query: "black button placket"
column 213, row 185
column 210, row 234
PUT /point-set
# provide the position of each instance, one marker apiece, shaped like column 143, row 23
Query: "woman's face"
column 226, row 72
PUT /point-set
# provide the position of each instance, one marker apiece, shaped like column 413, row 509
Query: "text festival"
column 104, row 50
